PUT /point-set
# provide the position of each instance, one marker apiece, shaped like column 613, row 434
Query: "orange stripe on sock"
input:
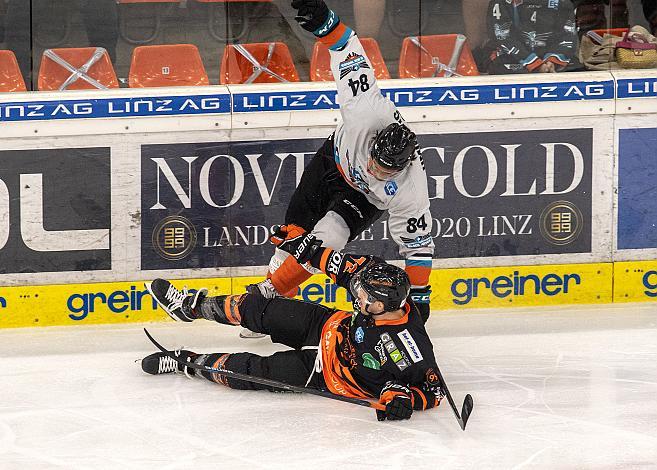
column 219, row 364
column 232, row 308
column 287, row 278
column 418, row 275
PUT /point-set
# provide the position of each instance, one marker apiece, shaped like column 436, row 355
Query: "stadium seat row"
column 181, row 64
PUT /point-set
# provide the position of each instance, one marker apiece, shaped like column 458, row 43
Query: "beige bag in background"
column 599, row 56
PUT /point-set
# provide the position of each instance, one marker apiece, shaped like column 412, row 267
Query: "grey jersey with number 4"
column 365, row 111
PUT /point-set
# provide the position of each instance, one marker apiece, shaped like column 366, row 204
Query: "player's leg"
column 290, row 322
column 290, row 367
column 307, row 206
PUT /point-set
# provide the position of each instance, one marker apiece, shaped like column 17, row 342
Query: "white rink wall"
column 524, row 172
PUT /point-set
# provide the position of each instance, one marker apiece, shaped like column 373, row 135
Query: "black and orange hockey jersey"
column 361, row 354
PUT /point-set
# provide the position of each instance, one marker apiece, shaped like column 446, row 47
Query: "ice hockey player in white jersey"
column 369, row 165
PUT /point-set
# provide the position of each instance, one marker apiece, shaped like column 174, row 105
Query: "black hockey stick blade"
column 263, row 381
column 468, row 404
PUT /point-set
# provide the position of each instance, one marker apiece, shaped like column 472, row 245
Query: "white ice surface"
column 553, row 388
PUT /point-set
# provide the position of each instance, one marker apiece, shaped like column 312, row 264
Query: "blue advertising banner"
column 637, row 87
column 492, row 194
column 114, row 107
column 637, row 192
column 432, row 96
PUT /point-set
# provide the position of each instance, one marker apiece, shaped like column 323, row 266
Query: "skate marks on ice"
column 553, row 389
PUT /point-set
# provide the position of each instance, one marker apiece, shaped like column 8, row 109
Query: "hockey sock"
column 287, row 278
column 222, row 309
column 216, row 360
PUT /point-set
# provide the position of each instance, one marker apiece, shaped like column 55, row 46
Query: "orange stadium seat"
column 320, row 62
column 73, row 68
column 429, row 56
column 613, row 31
column 266, row 62
column 167, row 65
column 155, row 25
column 11, row 78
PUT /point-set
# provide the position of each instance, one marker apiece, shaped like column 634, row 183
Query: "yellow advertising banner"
column 635, row 281
column 80, row 304
column 123, row 302
column 515, row 286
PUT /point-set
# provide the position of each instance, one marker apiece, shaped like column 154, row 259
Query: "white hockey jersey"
column 365, row 111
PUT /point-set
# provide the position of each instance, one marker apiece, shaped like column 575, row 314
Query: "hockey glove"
column 315, row 16
column 421, row 297
column 397, row 398
column 429, row 394
column 296, row 241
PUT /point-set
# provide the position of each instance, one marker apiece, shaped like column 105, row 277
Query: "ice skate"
column 177, row 304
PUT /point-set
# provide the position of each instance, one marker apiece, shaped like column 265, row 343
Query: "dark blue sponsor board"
column 492, row 194
column 115, row 107
column 433, row 96
column 637, row 191
column 56, row 207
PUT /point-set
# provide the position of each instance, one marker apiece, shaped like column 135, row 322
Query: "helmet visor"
column 379, row 172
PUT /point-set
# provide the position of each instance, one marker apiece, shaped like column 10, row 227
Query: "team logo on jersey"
column 370, row 362
column 418, row 242
column 352, row 63
column 390, row 188
column 359, row 336
column 411, row 346
column 554, row 4
column 358, row 180
column 383, row 357
column 397, row 356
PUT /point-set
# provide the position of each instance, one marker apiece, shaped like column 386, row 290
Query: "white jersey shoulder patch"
column 411, row 347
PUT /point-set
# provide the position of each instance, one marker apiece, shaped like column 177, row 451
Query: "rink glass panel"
column 28, row 28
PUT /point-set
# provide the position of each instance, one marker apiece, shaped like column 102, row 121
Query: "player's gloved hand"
column 295, row 241
column 421, row 297
column 430, row 392
column 315, row 16
column 397, row 398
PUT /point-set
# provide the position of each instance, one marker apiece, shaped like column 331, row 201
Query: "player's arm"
column 305, row 248
column 361, row 102
column 505, row 36
column 402, row 399
column 410, row 225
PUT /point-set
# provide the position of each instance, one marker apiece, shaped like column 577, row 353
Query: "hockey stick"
column 466, row 409
column 263, row 381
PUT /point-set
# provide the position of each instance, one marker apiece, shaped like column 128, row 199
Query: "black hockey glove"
column 429, row 393
column 295, row 241
column 397, row 398
column 315, row 16
column 421, row 297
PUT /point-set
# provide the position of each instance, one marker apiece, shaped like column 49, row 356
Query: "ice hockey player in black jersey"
column 530, row 36
column 380, row 350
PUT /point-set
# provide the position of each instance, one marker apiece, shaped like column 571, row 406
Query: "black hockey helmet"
column 383, row 282
column 394, row 147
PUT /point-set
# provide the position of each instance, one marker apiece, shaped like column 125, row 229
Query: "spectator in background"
column 100, row 19
column 368, row 15
column 530, row 36
column 591, row 14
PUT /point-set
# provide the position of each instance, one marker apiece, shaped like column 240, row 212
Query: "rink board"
column 125, row 302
